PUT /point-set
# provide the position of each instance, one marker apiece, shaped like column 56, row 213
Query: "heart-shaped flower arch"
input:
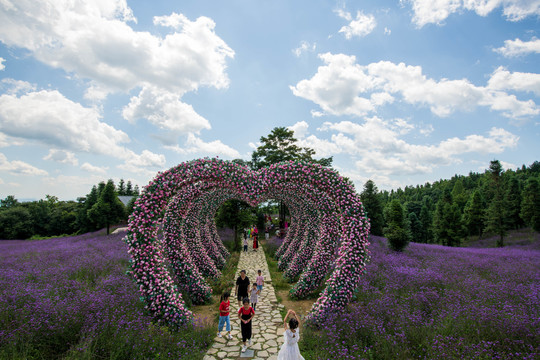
column 328, row 233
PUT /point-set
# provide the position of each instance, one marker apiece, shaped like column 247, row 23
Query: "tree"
column 459, row 196
column 236, row 215
column 447, row 226
column 473, row 216
column 513, row 204
column 372, row 204
column 85, row 223
column 397, row 231
column 530, row 207
column 15, row 223
column 9, row 202
column 121, row 187
column 496, row 212
column 417, row 231
column 129, row 189
column 281, row 145
column 108, row 209
column 426, row 220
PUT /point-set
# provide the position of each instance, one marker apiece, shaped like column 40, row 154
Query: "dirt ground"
column 301, row 307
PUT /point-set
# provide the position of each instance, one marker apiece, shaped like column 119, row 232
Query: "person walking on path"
column 242, row 287
column 245, row 243
column 259, row 281
column 224, row 318
column 254, row 296
column 255, row 242
column 245, row 314
column 289, row 350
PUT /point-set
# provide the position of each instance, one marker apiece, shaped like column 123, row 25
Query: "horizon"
column 399, row 92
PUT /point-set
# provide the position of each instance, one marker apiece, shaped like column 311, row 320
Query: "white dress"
column 289, row 350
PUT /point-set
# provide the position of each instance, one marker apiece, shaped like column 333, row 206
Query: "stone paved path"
column 267, row 323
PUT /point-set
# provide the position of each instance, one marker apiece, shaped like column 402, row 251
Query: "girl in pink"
column 259, row 281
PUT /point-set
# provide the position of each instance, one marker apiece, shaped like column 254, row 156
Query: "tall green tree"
column 496, row 211
column 447, row 225
column 473, row 216
column 372, row 205
column 281, row 145
column 459, row 196
column 397, row 229
column 121, row 187
column 108, row 209
column 513, row 204
column 417, row 230
column 426, row 219
column 530, row 207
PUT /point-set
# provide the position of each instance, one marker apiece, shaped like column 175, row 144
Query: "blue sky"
column 400, row 92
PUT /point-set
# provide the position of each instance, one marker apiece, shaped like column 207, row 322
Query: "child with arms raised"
column 289, row 350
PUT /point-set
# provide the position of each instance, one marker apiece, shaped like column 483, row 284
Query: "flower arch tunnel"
column 328, row 233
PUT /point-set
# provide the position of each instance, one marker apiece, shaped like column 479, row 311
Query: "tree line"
column 449, row 211
column 47, row 217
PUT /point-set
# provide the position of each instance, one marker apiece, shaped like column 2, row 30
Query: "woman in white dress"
column 289, row 350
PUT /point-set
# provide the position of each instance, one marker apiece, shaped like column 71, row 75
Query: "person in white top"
column 289, row 350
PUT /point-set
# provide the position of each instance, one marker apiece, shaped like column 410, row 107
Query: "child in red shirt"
column 224, row 318
column 245, row 314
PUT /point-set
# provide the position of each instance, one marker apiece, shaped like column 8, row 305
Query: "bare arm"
column 285, row 320
column 236, row 290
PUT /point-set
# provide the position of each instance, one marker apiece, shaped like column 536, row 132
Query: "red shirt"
column 224, row 308
column 243, row 311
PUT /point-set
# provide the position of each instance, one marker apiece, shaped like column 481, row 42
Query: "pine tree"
column 372, row 204
column 496, row 212
column 513, row 204
column 530, row 206
column 447, row 225
column 397, row 231
column 121, row 188
column 417, row 230
column 473, row 216
column 108, row 209
column 426, row 219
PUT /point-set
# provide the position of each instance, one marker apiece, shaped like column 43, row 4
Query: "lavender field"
column 435, row 302
column 69, row 298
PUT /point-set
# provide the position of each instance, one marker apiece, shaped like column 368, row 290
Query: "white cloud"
column 342, row 87
column 147, row 159
column 61, row 156
column 17, row 167
column 519, row 47
column 94, row 41
column 508, row 166
column 380, row 150
column 94, row 169
column 361, row 26
column 2, row 66
column 502, row 79
column 48, row 117
column 195, row 145
column 304, row 47
column 436, row 11
column 300, row 129
column 165, row 110
column 13, row 86
column 387, row 31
